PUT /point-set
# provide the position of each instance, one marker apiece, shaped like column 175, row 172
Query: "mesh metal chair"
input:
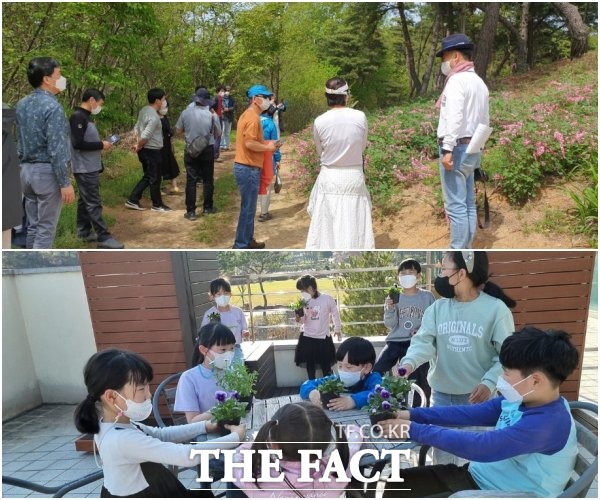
column 56, row 491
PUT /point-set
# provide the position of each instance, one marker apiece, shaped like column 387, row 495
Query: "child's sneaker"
column 264, row 217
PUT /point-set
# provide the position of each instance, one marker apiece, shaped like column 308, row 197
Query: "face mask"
column 509, row 392
column 137, row 411
column 222, row 361
column 96, row 110
column 306, row 295
column 226, row 94
column 61, row 83
column 443, row 287
column 446, row 68
column 271, row 110
column 163, row 111
column 349, row 379
column 222, row 300
column 407, row 280
column 264, row 105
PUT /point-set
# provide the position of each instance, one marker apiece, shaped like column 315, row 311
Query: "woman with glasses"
column 339, row 204
column 461, row 334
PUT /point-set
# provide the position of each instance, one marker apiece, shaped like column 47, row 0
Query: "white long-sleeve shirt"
column 465, row 104
column 123, row 447
column 341, row 137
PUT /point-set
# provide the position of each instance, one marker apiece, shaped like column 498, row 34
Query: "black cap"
column 457, row 41
column 202, row 97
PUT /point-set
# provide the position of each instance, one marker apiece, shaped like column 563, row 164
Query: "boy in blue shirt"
column 534, row 443
column 355, row 359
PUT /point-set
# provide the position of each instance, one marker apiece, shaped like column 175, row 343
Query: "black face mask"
column 443, row 287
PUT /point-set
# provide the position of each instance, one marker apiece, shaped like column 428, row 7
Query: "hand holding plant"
column 298, row 306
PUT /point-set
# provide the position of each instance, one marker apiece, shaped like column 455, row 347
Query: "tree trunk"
column 408, row 49
column 484, row 49
column 435, row 40
column 578, row 30
column 521, row 62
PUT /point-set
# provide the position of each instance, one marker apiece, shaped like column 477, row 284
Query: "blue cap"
column 258, row 90
column 457, row 41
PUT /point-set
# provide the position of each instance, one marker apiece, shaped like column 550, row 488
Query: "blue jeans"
column 458, row 188
column 442, row 399
column 247, row 179
column 226, row 133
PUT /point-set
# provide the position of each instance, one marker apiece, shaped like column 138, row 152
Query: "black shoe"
column 191, row 215
column 90, row 237
column 111, row 243
column 256, row 245
column 211, row 210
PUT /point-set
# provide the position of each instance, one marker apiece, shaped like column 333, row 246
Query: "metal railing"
column 281, row 319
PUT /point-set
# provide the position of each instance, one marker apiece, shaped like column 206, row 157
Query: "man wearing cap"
column 249, row 150
column 463, row 105
column 195, row 122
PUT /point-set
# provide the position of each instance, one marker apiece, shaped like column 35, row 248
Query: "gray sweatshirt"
column 405, row 318
column 149, row 127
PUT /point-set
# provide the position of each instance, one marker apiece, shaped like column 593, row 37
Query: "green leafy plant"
column 332, row 385
column 381, row 400
column 214, row 317
column 299, row 305
column 238, row 379
column 399, row 387
column 394, row 293
column 228, row 407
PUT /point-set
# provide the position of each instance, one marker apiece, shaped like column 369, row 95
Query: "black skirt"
column 162, row 483
column 169, row 166
column 315, row 351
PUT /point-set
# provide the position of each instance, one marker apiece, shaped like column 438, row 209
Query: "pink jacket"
column 291, row 471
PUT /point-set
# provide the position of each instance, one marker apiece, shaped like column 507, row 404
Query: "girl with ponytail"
column 133, row 454
column 294, row 427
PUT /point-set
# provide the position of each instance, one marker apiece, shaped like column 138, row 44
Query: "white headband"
column 343, row 90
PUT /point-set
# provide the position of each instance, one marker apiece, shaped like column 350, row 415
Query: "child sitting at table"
column 355, row 358
column 534, row 444
column 196, row 388
column 132, row 453
column 231, row 316
column 294, row 427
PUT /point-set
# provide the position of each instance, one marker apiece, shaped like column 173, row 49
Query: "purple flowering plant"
column 238, row 379
column 382, row 400
column 228, row 407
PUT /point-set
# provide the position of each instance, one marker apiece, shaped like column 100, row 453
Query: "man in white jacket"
column 463, row 105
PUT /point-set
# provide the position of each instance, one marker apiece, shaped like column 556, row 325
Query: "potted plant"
column 382, row 405
column 239, row 380
column 394, row 293
column 214, row 317
column 399, row 387
column 228, row 410
column 330, row 389
column 298, row 306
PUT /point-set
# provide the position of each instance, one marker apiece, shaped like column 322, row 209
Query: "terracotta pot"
column 221, row 423
column 326, row 397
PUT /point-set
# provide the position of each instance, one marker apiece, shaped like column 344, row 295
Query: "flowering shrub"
column 228, row 407
column 381, row 400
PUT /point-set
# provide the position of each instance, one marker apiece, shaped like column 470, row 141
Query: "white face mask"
column 407, row 280
column 96, row 110
column 61, row 84
column 137, row 411
column 264, row 105
column 509, row 392
column 349, row 378
column 446, row 68
column 223, row 360
column 306, row 295
column 163, row 111
column 222, row 300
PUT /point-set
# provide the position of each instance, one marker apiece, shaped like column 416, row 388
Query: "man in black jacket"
column 228, row 109
column 87, row 165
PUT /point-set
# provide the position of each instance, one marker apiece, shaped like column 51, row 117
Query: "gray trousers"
column 43, row 202
column 89, row 206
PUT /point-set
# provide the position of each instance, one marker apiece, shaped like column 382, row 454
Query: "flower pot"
column 214, row 320
column 299, row 312
column 326, row 397
column 248, row 400
column 395, row 296
column 221, row 423
column 378, row 417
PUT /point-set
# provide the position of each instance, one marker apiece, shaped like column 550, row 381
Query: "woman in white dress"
column 339, row 204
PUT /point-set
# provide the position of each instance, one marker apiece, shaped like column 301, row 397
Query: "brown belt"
column 462, row 140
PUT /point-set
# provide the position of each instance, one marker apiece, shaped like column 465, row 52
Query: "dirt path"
column 415, row 225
